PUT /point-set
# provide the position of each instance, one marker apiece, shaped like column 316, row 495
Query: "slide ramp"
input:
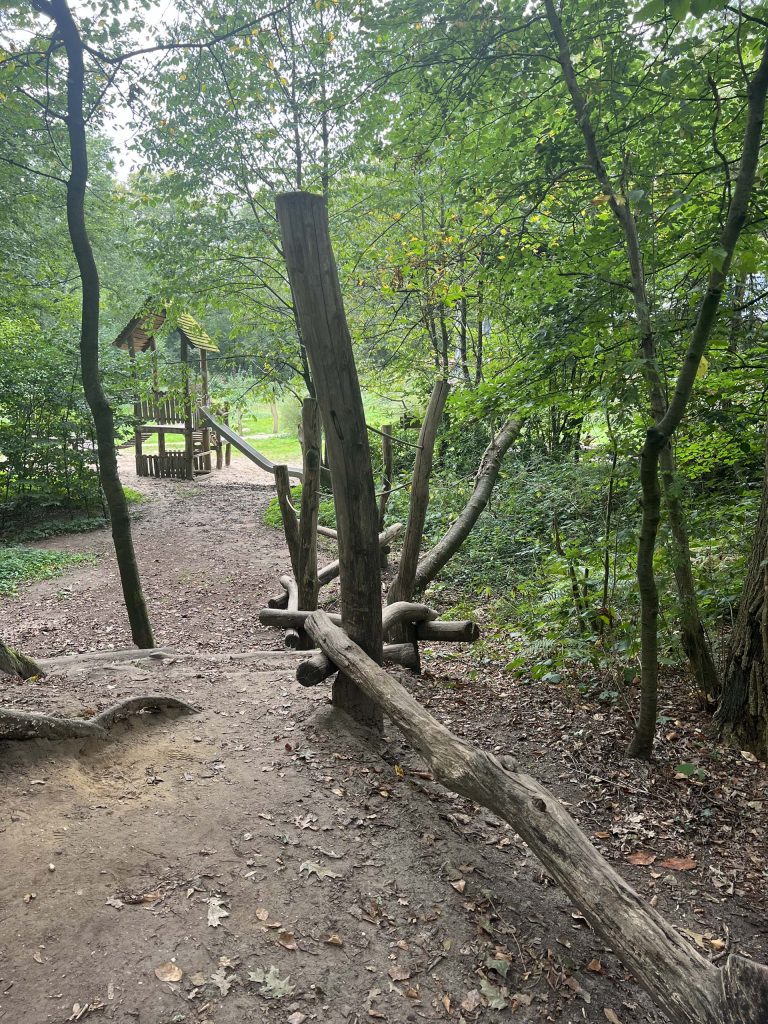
column 228, row 434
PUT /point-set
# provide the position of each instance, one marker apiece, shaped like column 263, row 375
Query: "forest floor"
column 260, row 861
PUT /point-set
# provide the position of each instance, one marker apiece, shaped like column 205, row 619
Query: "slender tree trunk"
column 488, row 472
column 743, row 711
column 693, row 636
column 658, row 437
column 133, row 596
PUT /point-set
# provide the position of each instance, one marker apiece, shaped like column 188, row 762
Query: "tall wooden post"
column 320, row 313
column 136, row 408
column 386, row 483
column 189, row 461
column 310, row 503
column 205, row 398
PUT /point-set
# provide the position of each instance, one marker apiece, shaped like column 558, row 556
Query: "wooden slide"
column 242, row 445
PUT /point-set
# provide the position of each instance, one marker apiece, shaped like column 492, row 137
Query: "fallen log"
column 331, row 571
column 319, row 667
column 22, row 725
column 686, row 986
column 284, row 619
column 447, row 632
column 314, row 670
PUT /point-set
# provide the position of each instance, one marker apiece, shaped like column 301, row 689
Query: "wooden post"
column 204, row 400
column 288, row 512
column 320, row 314
column 310, row 503
column 228, row 446
column 403, row 584
column 136, row 408
column 189, row 465
column 386, row 483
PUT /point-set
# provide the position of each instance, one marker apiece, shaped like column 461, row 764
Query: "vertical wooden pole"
column 386, row 483
column 189, row 466
column 204, row 399
column 136, row 408
column 403, row 584
column 228, row 446
column 290, row 524
column 310, row 503
column 320, row 314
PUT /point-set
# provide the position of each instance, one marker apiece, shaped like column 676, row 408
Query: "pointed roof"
column 138, row 335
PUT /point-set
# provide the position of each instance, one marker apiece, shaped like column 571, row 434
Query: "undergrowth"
column 25, row 565
column 326, row 515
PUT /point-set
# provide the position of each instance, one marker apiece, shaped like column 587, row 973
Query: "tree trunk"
column 743, row 710
column 314, row 281
column 403, row 584
column 141, row 630
column 487, row 475
column 288, row 513
column 386, row 483
column 688, row 987
column 659, row 436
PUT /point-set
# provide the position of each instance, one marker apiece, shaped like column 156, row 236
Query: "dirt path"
column 291, row 870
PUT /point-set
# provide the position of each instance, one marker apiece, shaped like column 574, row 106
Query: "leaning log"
column 319, row 667
column 688, row 987
column 314, row 670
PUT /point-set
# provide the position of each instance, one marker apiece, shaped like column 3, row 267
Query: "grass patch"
column 326, row 513
column 134, row 497
column 25, row 565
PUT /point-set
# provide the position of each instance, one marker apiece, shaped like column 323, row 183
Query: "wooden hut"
column 164, row 415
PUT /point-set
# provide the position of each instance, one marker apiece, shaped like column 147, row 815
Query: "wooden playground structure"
column 167, row 416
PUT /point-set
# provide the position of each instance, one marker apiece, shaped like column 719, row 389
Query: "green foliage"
column 23, row 565
column 326, row 513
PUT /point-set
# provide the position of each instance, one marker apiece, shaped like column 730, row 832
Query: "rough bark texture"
column 17, row 664
column 20, row 725
column 402, row 586
column 293, row 638
column 686, row 986
column 743, row 710
column 310, row 502
column 141, row 630
column 320, row 313
column 288, row 513
column 487, row 475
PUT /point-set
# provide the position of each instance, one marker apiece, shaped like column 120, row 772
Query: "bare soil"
column 263, row 861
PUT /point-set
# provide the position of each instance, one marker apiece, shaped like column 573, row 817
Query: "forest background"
column 527, row 201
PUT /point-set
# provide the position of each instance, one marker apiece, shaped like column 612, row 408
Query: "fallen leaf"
column 221, row 981
column 459, row 886
column 610, row 1015
column 317, row 869
column 216, row 912
column 168, row 972
column 642, row 858
column 398, row 973
column 297, row 1018
column 446, row 1001
column 334, row 940
column 287, row 940
column 271, row 985
column 198, row 980
column 113, row 901
column 496, row 997
column 262, row 914
column 471, row 1001
column 749, row 756
column 595, row 966
column 678, row 863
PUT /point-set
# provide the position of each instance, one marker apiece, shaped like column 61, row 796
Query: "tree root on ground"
column 28, row 725
column 17, row 664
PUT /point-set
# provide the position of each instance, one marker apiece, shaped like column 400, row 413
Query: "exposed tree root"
column 27, row 725
column 16, row 664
